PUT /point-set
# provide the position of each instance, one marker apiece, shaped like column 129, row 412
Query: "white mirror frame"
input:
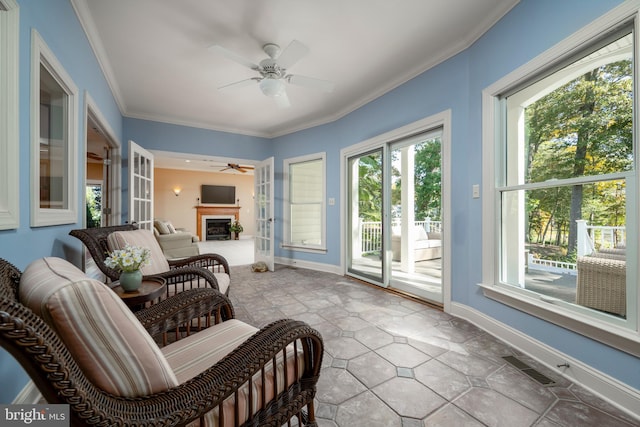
column 9, row 121
column 41, row 54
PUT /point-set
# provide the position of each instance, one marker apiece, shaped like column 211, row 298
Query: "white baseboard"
column 29, row 395
column 317, row 266
column 619, row 394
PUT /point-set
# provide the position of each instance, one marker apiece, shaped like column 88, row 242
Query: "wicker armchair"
column 192, row 272
column 227, row 385
column 602, row 283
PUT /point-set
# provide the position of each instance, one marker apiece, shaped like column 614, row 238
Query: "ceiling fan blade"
column 241, row 83
column 292, row 54
column 312, row 83
column 234, row 56
column 282, row 100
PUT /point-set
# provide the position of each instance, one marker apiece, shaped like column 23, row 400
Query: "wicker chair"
column 227, row 391
column 192, row 272
column 602, row 283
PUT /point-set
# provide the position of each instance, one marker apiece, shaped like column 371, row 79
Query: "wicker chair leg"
column 309, row 417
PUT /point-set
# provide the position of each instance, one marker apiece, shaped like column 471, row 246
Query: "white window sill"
column 549, row 309
column 303, row 248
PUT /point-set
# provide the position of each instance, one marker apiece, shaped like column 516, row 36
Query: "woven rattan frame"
column 602, row 283
column 183, row 274
column 51, row 367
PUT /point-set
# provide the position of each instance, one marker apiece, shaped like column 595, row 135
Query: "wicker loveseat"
column 197, row 271
column 602, row 282
column 81, row 346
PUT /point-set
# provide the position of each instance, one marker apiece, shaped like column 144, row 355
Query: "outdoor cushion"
column 194, row 354
column 144, row 239
column 109, row 344
column 159, row 263
column 223, row 280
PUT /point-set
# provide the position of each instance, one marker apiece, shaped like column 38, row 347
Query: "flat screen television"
column 218, row 194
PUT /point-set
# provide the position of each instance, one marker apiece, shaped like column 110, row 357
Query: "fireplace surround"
column 231, row 213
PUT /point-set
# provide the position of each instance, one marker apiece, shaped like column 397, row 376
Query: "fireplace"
column 203, row 213
column 217, row 229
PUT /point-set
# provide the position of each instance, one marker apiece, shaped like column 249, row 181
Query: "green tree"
column 582, row 128
column 370, row 187
column 428, row 179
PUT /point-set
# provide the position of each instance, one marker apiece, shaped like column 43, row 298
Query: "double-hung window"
column 560, row 160
column 304, row 210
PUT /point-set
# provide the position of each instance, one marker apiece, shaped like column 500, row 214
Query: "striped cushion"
column 144, row 239
column 196, row 353
column 103, row 336
column 42, row 278
column 223, row 280
column 159, row 263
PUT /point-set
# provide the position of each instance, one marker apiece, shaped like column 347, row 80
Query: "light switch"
column 332, row 201
column 476, row 191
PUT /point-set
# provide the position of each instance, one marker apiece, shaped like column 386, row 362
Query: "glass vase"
column 130, row 280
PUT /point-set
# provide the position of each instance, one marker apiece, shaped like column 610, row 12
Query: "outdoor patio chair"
column 602, row 284
column 82, row 347
column 181, row 274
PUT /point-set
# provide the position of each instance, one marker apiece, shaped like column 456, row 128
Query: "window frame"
column 624, row 335
column 286, row 203
column 41, row 217
column 9, row 116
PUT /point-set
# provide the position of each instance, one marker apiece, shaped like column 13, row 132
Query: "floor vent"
column 528, row 370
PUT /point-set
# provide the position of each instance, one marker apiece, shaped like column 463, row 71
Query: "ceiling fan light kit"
column 273, row 71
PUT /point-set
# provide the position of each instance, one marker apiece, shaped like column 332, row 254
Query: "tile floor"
column 393, row 362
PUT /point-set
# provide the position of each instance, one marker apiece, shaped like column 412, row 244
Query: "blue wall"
column 60, row 29
column 529, row 29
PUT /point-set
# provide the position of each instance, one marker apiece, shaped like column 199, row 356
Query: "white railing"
column 594, row 237
column 590, row 239
column 551, row 266
column 370, row 232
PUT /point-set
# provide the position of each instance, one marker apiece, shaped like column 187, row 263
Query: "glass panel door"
column 364, row 228
column 140, row 186
column 416, row 216
column 263, row 188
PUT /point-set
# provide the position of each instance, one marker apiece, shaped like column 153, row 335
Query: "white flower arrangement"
column 131, row 258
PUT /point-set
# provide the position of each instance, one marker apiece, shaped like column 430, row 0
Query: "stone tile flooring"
column 393, row 362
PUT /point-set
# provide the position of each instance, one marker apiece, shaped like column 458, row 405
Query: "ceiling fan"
column 273, row 71
column 237, row 167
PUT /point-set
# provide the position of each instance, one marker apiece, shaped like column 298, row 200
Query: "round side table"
column 150, row 289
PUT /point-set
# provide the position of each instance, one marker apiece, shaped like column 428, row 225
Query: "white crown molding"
column 89, row 27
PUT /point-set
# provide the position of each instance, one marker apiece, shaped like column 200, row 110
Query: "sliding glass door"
column 364, row 227
column 416, row 207
column 395, row 235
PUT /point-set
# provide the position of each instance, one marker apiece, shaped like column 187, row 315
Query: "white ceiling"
column 156, row 56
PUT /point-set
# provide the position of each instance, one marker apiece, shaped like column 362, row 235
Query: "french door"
column 395, row 211
column 263, row 199
column 140, row 186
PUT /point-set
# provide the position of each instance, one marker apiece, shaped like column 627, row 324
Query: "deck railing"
column 370, row 232
column 590, row 239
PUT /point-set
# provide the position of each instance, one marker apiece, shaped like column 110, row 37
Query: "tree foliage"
column 583, row 128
